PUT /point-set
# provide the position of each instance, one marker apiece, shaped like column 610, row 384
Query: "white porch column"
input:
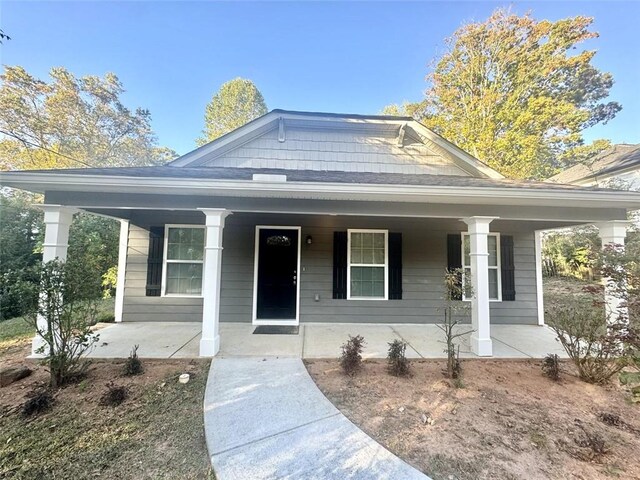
column 613, row 232
column 478, row 228
column 539, row 284
column 57, row 220
column 123, row 245
column 211, row 276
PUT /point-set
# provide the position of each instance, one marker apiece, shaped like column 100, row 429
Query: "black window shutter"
column 507, row 267
column 340, row 265
column 454, row 255
column 154, row 261
column 395, row 266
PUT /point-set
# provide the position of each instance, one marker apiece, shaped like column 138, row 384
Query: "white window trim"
column 498, row 267
column 165, row 261
column 386, row 263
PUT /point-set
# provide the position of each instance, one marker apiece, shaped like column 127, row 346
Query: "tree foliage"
column 72, row 122
column 67, row 122
column 517, row 93
column 237, row 102
column 20, row 226
column 93, row 247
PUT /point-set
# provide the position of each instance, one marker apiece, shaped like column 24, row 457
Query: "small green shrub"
column 114, row 395
column 133, row 365
column 551, row 367
column 598, row 351
column 397, row 362
column 454, row 310
column 39, row 401
column 61, row 307
column 351, row 358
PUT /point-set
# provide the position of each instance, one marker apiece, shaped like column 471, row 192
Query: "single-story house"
column 319, row 217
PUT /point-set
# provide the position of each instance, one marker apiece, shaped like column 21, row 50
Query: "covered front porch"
column 315, row 340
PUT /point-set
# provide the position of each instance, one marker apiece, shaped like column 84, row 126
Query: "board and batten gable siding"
column 333, row 150
column 424, row 252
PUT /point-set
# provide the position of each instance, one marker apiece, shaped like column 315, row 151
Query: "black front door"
column 277, row 274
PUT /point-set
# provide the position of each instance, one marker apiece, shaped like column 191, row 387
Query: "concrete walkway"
column 314, row 340
column 266, row 419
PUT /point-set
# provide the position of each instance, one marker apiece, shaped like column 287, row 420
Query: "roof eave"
column 498, row 195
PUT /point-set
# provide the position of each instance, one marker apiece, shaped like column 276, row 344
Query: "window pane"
column 367, row 282
column 367, row 248
column 184, row 278
column 466, row 259
column 356, row 240
column 185, row 244
column 467, row 287
column 493, row 250
column 493, row 283
column 367, row 240
column 378, row 289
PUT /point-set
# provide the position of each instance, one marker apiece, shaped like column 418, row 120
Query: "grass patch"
column 158, row 433
column 16, row 329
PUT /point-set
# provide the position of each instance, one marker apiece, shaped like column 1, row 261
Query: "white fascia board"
column 39, row 182
column 455, row 151
column 208, row 149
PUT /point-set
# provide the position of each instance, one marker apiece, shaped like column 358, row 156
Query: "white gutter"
column 41, row 182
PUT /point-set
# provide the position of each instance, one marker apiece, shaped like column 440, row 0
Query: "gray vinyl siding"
column 336, row 150
column 424, row 262
column 137, row 306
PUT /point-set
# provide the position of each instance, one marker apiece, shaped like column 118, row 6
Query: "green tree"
column 237, row 102
column 68, row 122
column 93, row 248
column 517, row 93
column 20, row 228
column 72, row 122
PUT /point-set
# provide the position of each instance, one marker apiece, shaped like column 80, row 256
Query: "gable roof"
column 615, row 159
column 405, row 140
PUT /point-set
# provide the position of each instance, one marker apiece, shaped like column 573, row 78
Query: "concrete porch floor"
column 314, row 340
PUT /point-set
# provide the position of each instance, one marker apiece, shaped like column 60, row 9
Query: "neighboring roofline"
column 601, row 176
column 269, row 120
column 495, row 195
column 604, row 171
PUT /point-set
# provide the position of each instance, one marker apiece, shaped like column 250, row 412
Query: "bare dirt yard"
column 157, row 432
column 508, row 422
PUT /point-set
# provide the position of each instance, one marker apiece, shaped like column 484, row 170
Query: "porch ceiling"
column 124, row 206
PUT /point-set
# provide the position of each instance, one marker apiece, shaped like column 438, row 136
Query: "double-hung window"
column 493, row 240
column 183, row 259
column 367, row 262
